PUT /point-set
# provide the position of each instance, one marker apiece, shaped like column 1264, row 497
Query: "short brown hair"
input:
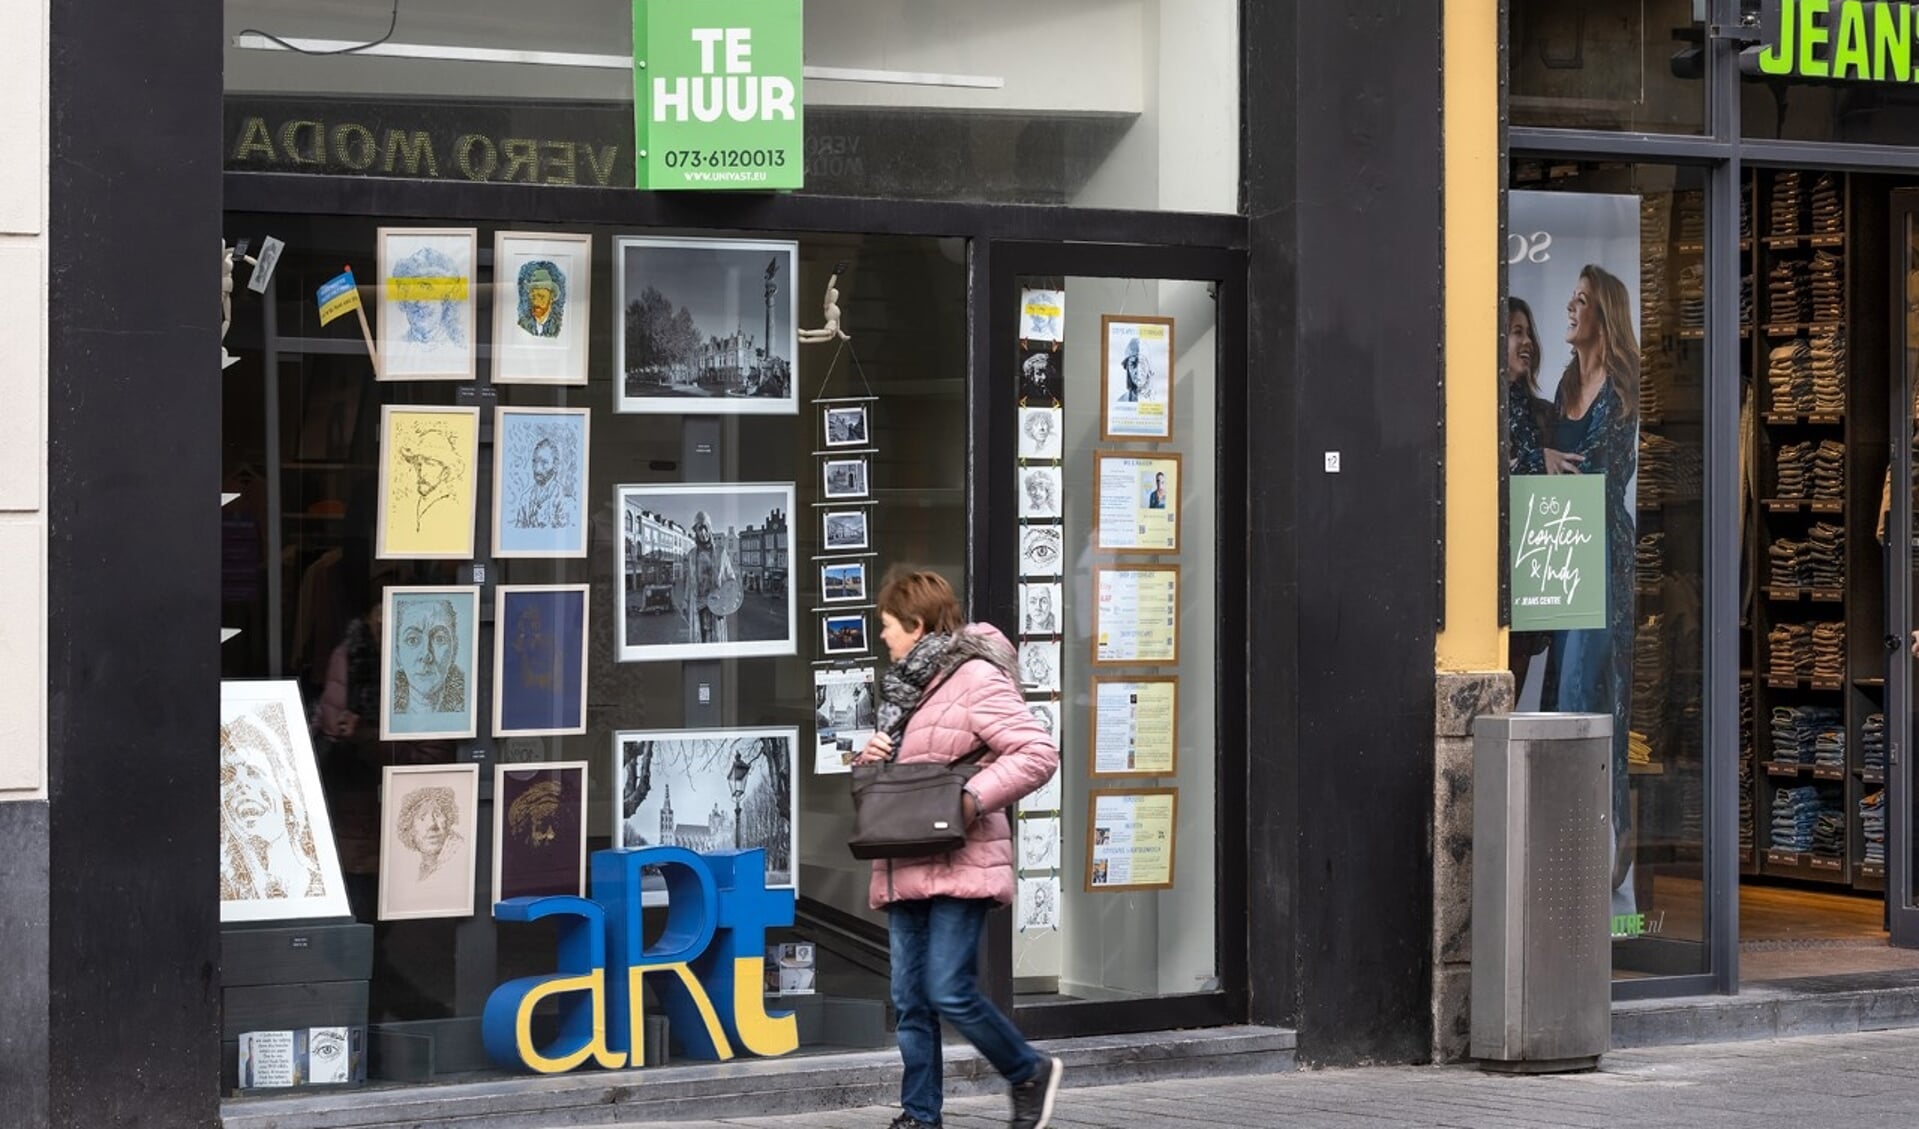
column 921, row 599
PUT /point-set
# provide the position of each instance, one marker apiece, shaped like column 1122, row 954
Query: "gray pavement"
column 1855, row 1081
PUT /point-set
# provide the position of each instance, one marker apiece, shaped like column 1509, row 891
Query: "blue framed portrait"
column 426, row 666
column 539, row 653
column 539, row 481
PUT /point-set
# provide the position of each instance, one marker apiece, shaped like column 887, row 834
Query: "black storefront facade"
column 1303, row 800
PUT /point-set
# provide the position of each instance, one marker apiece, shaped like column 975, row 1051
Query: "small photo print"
column 1039, row 433
column 844, row 529
column 843, row 583
column 846, row 427
column 1040, row 384
column 1039, row 666
column 843, row 634
column 1039, row 492
column 845, row 716
column 845, row 478
column 1042, row 550
column 1040, row 610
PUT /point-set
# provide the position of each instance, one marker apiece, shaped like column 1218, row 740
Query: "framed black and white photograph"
column 539, row 830
column 843, row 634
column 843, row 583
column 1041, row 611
column 542, row 307
column 427, row 815
column 706, row 571
column 843, row 479
column 1042, row 550
column 846, row 426
column 1039, row 666
column 709, row 790
column 1039, row 492
column 704, row 326
column 843, row 529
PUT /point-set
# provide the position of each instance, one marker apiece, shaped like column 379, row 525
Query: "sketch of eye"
column 1041, row 547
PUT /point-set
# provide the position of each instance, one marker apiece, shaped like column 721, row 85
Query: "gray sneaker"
column 1033, row 1098
column 908, row 1121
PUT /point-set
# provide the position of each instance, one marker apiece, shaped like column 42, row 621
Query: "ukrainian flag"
column 338, row 296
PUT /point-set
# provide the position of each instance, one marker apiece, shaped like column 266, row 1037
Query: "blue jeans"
column 935, row 977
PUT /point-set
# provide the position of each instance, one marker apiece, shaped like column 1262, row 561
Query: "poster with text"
column 1129, row 839
column 1558, row 562
column 1138, row 503
column 1136, row 726
column 1135, row 615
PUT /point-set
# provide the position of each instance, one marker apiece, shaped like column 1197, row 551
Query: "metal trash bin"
column 1542, row 899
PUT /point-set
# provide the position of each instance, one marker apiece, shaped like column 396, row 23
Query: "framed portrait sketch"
column 843, row 583
column 427, row 815
column 277, row 858
column 539, row 830
column 704, row 326
column 426, row 324
column 427, row 662
column 1042, row 437
column 539, row 481
column 843, row 479
column 1136, row 366
column 539, row 659
column 542, row 307
column 841, row 530
column 1042, row 610
column 707, row 571
column 1039, row 492
column 428, row 482
column 843, row 634
column 1039, row 665
column 845, row 425
column 709, row 790
column 1138, row 502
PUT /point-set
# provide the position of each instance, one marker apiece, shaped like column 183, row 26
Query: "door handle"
column 1892, row 643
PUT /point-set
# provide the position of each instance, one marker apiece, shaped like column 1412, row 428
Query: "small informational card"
column 1136, row 726
column 329, row 1058
column 1138, row 503
column 1129, row 839
column 790, row 968
column 845, row 714
column 266, row 1060
column 1135, row 614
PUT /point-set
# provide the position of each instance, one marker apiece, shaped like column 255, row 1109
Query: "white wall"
column 23, row 399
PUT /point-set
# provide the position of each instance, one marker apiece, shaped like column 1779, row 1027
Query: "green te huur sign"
column 717, row 94
column 1557, row 552
column 1841, row 40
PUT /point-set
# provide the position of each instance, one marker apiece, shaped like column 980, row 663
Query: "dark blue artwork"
column 541, row 648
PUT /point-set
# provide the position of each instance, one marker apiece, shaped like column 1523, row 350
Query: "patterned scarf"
column 906, row 682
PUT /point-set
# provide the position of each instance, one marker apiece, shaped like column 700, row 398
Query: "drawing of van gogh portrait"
column 542, row 306
column 426, row 304
column 428, row 659
column 542, row 287
column 539, row 479
column 428, row 481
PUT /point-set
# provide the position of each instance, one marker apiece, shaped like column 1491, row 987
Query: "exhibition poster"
column 1135, row 614
column 1129, row 839
column 1138, row 503
column 1135, row 726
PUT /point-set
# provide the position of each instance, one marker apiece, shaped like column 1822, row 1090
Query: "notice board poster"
column 1129, row 839
column 1135, row 726
column 1136, row 615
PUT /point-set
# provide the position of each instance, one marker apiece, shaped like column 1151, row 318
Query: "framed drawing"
column 1042, row 610
column 539, row 830
column 843, row 634
column 1041, row 438
column 842, row 479
column 1041, row 383
column 1042, row 315
column 427, row 815
column 427, row 662
column 1138, row 509
column 842, row 530
column 1136, row 366
column 539, row 481
column 426, row 329
column 846, row 426
column 1135, row 726
column 1042, row 549
column 539, row 659
column 707, row 572
column 277, row 859
column 709, row 790
column 843, row 583
column 1039, row 495
column 1135, row 615
column 704, row 326
column 428, row 482
column 1130, row 839
column 542, row 307
column 1039, row 662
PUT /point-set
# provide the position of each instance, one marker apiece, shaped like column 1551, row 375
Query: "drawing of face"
column 534, row 647
column 1042, row 603
column 429, row 820
column 250, row 797
column 1039, row 428
column 1039, row 492
column 544, row 462
column 1135, row 383
column 534, row 818
column 425, row 644
column 432, row 315
column 435, row 461
column 540, row 301
column 327, row 1049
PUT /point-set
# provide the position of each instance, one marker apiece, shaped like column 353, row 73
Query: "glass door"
column 1896, row 830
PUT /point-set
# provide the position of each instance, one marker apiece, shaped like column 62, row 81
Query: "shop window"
column 1830, row 72
column 1605, row 328
column 1636, row 65
column 1081, row 102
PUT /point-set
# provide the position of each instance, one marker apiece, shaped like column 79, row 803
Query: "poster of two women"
column 1571, row 324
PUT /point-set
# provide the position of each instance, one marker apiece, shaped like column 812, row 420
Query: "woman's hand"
column 969, row 808
column 878, row 748
column 1560, row 462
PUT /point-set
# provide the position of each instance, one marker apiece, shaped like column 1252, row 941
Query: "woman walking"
column 951, row 689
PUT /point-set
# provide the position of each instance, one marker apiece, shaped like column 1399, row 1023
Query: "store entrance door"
column 1902, row 643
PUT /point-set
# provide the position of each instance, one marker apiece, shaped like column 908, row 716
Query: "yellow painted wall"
column 1472, row 639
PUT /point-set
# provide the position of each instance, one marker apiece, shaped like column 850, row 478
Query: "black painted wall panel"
column 133, row 563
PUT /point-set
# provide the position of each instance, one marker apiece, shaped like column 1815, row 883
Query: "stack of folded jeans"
column 1666, row 474
column 1792, row 463
column 1829, row 650
column 1829, row 834
column 1796, row 730
column 1789, row 292
column 1828, row 213
column 1791, row 378
column 1791, row 563
column 1747, row 302
column 1872, row 822
column 1829, row 471
column 1649, row 562
column 1790, row 651
column 1829, row 745
column 1692, row 296
column 1649, row 671
column 1826, row 363
column 1787, row 198
column 1691, row 209
column 1826, row 282
column 1826, row 556
column 1872, row 743
column 1795, row 815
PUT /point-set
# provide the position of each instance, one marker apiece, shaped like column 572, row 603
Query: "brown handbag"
column 911, row 810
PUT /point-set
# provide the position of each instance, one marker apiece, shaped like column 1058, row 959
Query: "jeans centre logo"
column 708, row 963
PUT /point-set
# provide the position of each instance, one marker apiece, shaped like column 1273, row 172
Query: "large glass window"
column 1102, row 103
column 1635, row 65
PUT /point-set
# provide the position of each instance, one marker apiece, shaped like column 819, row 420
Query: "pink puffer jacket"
column 979, row 703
